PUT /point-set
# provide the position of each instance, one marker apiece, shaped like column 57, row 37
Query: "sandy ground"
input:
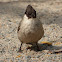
column 50, row 13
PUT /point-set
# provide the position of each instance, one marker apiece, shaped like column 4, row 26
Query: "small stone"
column 28, row 56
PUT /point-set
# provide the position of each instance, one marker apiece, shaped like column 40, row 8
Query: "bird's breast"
column 27, row 27
column 30, row 31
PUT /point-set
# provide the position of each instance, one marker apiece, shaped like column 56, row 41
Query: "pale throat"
column 26, row 18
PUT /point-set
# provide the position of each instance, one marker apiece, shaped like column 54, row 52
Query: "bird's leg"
column 37, row 47
column 20, row 48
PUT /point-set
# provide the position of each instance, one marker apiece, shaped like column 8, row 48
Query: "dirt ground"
column 49, row 12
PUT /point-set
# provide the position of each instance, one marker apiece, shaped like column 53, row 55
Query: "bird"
column 30, row 29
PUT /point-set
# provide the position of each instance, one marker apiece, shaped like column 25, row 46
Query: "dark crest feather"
column 30, row 12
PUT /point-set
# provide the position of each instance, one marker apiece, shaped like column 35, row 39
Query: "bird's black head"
column 30, row 12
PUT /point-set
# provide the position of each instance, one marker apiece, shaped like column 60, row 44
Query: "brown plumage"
column 30, row 29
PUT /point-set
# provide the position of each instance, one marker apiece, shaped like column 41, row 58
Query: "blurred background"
column 23, row 0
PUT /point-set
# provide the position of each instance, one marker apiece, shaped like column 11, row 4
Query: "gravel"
column 50, row 13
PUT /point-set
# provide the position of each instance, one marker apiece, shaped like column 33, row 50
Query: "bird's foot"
column 38, row 49
column 20, row 50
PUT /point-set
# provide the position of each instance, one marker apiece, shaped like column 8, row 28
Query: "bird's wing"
column 19, row 26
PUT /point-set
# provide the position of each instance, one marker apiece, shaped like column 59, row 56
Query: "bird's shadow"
column 45, row 47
